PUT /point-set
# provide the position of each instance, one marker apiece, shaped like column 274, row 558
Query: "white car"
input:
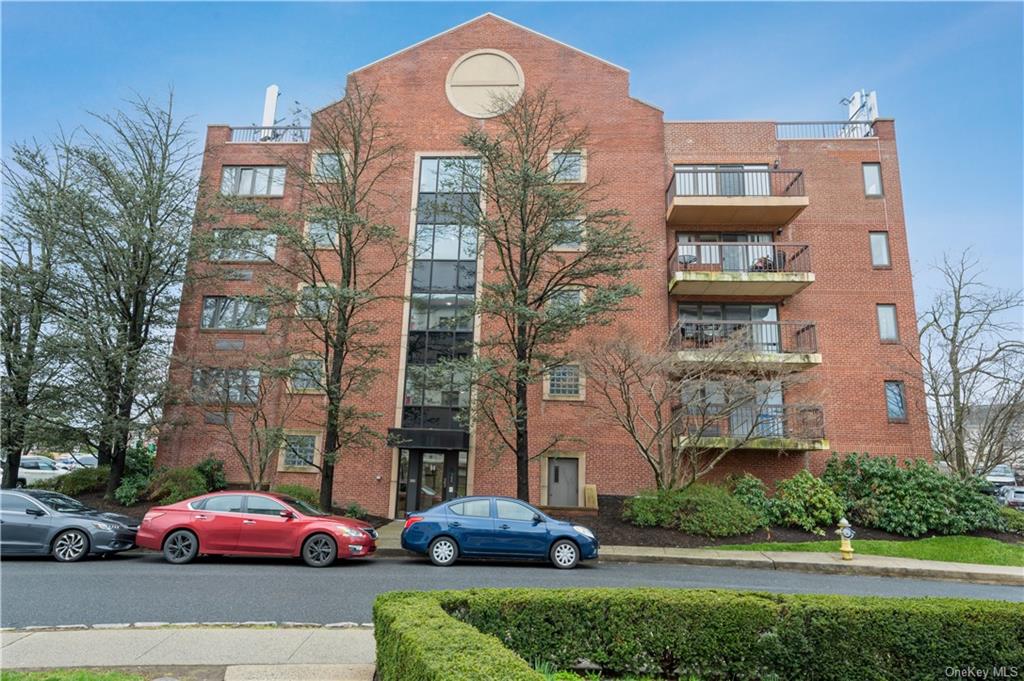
column 69, row 462
column 1001, row 476
column 36, row 468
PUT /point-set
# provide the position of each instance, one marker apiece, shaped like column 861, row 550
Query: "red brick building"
column 791, row 232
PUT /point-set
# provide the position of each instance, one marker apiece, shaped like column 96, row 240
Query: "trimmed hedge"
column 77, row 482
column 681, row 632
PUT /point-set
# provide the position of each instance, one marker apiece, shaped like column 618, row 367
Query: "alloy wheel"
column 180, row 547
column 319, row 551
column 70, row 546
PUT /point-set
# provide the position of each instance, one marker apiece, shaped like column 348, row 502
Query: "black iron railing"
column 733, row 182
column 721, row 256
column 797, row 422
column 824, row 130
column 785, row 336
column 294, row 134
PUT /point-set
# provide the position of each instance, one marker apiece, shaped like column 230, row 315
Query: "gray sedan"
column 40, row 522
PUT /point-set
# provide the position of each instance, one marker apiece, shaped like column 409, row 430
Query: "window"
column 872, row 179
column 565, row 300
column 299, row 451
column 231, row 386
column 307, row 375
column 879, row 249
column 243, row 245
column 474, row 508
column 15, row 503
column 564, row 382
column 252, row 181
column 567, row 166
column 235, row 313
column 226, row 503
column 262, row 505
column 322, row 235
column 568, row 235
column 510, row 510
column 328, row 167
column 895, row 403
column 315, row 302
column 887, row 330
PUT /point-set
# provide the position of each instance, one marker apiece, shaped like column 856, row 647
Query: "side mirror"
column 287, row 514
column 34, row 511
column 537, row 519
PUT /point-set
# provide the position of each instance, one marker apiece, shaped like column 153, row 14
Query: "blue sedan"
column 495, row 527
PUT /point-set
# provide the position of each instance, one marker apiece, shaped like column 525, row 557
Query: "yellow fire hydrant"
column 845, row 533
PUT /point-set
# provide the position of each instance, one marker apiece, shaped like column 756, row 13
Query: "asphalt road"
column 141, row 587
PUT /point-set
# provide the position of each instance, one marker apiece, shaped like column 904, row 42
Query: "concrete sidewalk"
column 248, row 654
column 389, row 546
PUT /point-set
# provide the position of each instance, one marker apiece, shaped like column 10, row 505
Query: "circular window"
column 479, row 80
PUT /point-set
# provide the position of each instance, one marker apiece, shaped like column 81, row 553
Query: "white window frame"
column 317, row 436
column 238, row 329
column 886, row 246
column 578, row 397
column 582, row 246
column 344, row 160
column 291, row 374
column 264, row 255
column 864, row 177
column 274, row 188
column 887, row 307
column 553, row 154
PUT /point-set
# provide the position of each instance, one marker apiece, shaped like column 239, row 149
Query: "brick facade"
column 631, row 151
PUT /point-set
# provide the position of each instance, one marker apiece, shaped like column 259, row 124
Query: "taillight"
column 412, row 520
column 151, row 516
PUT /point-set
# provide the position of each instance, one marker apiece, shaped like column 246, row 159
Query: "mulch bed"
column 611, row 529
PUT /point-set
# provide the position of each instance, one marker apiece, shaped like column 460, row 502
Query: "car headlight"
column 105, row 526
column 353, row 532
column 584, row 531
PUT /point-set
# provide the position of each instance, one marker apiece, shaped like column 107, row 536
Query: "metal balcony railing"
column 824, row 130
column 734, row 182
column 289, row 133
column 721, row 256
column 795, row 422
column 783, row 337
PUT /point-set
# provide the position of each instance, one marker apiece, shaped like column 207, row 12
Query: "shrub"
column 751, row 492
column 78, row 482
column 679, row 633
column 1013, row 519
column 707, row 510
column 212, row 471
column 354, row 510
column 172, row 485
column 300, row 492
column 131, row 489
column 911, row 499
column 806, row 502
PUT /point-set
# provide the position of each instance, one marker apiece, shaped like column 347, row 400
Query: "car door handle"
column 201, row 517
column 455, row 524
column 504, row 527
column 248, row 522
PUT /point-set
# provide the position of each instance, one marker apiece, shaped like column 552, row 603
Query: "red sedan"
column 253, row 524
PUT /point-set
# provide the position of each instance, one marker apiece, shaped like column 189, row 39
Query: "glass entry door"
column 426, row 478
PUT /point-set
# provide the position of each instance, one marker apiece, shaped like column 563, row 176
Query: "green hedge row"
column 679, row 632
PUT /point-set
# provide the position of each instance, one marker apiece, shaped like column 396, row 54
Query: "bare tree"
column 685, row 414
column 37, row 183
column 330, row 284
column 972, row 355
column 558, row 260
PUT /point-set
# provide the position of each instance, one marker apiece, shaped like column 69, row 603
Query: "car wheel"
column 70, row 546
column 180, row 547
column 319, row 551
column 565, row 554
column 443, row 551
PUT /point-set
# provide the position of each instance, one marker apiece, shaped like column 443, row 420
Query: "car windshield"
column 60, row 503
column 301, row 506
column 1001, row 470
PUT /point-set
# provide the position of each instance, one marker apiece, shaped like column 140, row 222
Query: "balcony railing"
column 754, row 423
column 719, row 256
column 735, row 182
column 824, row 130
column 292, row 133
column 776, row 337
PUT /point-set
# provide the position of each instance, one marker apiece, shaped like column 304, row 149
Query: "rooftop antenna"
column 269, row 112
column 862, row 111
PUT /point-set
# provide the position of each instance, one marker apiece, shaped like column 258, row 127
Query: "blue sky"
column 950, row 73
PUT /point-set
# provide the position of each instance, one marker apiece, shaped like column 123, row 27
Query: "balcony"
column 734, row 196
column 793, row 344
column 798, row 428
column 278, row 134
column 715, row 269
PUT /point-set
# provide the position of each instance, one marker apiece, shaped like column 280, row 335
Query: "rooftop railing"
column 731, row 182
column 824, row 130
column 751, row 336
column 731, row 256
column 291, row 133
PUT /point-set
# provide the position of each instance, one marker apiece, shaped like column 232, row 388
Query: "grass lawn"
column 980, row 550
column 69, row 675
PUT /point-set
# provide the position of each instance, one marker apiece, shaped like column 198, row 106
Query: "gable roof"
column 476, row 19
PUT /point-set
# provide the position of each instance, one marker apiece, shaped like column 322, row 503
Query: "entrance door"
column 426, row 478
column 563, row 482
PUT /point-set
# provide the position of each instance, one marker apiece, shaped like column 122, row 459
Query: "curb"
column 32, row 629
column 761, row 561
